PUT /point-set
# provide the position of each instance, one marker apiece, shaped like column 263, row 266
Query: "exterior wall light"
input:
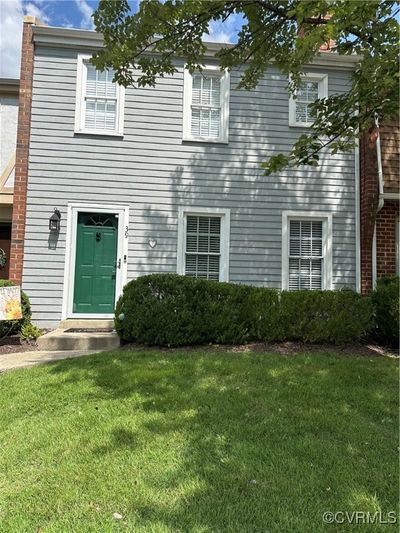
column 54, row 221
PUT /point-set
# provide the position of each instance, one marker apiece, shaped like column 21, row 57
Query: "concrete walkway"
column 9, row 361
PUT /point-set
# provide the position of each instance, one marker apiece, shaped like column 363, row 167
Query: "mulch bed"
column 292, row 348
column 14, row 344
column 283, row 348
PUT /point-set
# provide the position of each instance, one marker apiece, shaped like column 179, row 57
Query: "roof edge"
column 77, row 38
column 9, row 85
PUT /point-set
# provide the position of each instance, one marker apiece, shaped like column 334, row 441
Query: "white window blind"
column 203, row 247
column 100, row 100
column 306, row 95
column 313, row 86
column 305, row 255
column 206, row 109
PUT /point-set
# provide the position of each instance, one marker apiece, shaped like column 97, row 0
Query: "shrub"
column 172, row 310
column 30, row 332
column 227, row 312
column 266, row 315
column 11, row 327
column 325, row 316
column 154, row 309
column 385, row 300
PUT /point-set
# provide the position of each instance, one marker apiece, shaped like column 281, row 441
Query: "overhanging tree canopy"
column 288, row 33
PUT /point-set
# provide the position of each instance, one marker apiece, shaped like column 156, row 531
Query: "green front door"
column 95, row 265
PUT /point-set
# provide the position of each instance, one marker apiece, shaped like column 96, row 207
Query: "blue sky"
column 69, row 14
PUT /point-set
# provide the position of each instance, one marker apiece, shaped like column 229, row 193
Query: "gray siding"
column 154, row 172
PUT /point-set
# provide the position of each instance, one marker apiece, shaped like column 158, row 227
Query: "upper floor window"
column 312, row 87
column 203, row 243
column 306, row 251
column 206, row 105
column 99, row 101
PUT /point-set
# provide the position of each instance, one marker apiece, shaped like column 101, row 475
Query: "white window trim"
column 80, row 105
column 322, row 80
column 73, row 209
column 187, row 103
column 225, row 237
column 326, row 219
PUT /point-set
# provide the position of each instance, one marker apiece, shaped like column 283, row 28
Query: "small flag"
column 10, row 303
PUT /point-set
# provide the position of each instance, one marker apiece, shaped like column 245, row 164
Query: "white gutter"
column 381, row 199
column 374, row 257
column 391, row 196
column 76, row 38
column 357, row 208
column 379, row 160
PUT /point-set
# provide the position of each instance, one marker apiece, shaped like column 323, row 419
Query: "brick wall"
column 386, row 239
column 22, row 153
column 390, row 142
column 369, row 195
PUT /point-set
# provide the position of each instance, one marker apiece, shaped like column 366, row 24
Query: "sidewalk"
column 10, row 361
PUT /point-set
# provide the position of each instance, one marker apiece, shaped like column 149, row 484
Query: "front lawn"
column 197, row 442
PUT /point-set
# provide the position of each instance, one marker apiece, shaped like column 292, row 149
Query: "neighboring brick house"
column 379, row 205
column 9, row 89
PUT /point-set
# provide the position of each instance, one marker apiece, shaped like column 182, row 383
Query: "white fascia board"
column 67, row 37
column 77, row 38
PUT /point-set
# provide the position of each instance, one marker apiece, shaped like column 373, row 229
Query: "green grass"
column 197, row 442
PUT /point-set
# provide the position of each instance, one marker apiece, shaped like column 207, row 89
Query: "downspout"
column 358, row 214
column 381, row 199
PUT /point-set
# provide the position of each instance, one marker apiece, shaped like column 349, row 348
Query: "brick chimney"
column 326, row 47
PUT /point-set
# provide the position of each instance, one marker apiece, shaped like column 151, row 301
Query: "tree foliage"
column 288, row 33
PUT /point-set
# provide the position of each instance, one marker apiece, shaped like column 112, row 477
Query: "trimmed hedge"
column 172, row 310
column 11, row 327
column 385, row 299
column 325, row 316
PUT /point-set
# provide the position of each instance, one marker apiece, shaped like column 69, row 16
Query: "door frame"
column 73, row 209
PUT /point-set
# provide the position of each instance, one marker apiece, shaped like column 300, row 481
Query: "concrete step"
column 59, row 340
column 85, row 323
